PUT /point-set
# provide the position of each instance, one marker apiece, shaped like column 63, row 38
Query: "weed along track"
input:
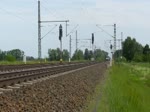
column 64, row 92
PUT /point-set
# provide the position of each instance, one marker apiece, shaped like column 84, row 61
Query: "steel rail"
column 7, row 68
column 23, row 76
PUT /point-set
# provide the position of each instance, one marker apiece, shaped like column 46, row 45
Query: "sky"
column 18, row 23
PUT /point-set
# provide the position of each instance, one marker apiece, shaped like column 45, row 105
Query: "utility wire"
column 86, row 10
column 73, row 30
column 105, row 31
column 12, row 14
column 52, row 12
column 49, row 31
column 48, row 10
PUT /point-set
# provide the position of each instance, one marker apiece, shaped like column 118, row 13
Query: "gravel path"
column 66, row 93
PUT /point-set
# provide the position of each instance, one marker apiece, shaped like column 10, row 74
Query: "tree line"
column 78, row 55
column 54, row 55
column 13, row 55
column 134, row 51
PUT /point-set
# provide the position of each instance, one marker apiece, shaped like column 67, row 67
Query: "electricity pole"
column 70, row 50
column 66, row 28
column 61, row 50
column 76, row 40
column 121, row 44
column 114, row 40
column 39, row 31
column 93, row 46
column 60, row 38
column 113, row 36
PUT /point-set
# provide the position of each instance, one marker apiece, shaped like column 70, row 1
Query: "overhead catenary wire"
column 72, row 30
column 105, row 31
column 12, row 14
column 86, row 11
column 49, row 32
column 46, row 9
column 52, row 11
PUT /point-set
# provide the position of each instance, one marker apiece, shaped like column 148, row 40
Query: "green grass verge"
column 127, row 89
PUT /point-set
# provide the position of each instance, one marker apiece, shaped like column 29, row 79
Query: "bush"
column 138, row 57
column 146, row 58
column 120, row 59
column 10, row 58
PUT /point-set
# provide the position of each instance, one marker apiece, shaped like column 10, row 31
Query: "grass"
column 126, row 89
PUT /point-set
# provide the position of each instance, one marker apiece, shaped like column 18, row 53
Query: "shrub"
column 138, row 57
column 10, row 58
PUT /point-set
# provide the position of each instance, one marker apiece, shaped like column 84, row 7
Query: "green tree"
column 90, row 54
column 65, row 55
column 146, row 53
column 130, row 48
column 146, row 49
column 10, row 58
column 58, row 54
column 78, row 55
column 54, row 54
column 2, row 55
column 118, row 54
column 30, row 58
column 138, row 57
column 100, row 55
column 17, row 53
column 86, row 54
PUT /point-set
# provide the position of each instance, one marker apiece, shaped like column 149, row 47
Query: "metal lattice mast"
column 115, row 38
column 39, row 31
column 121, row 44
column 70, row 49
column 76, row 40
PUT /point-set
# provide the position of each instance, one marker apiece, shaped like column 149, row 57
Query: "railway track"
column 8, row 68
column 23, row 74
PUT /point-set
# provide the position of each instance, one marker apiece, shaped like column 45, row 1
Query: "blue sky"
column 18, row 25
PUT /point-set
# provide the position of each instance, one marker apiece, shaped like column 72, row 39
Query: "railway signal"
column 93, row 47
column 60, row 32
column 111, row 46
column 92, row 38
column 60, row 38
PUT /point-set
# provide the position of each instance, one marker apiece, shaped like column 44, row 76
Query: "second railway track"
column 23, row 75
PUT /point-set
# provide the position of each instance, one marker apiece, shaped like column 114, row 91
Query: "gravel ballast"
column 67, row 93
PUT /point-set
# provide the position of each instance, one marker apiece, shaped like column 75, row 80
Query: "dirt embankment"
column 67, row 93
